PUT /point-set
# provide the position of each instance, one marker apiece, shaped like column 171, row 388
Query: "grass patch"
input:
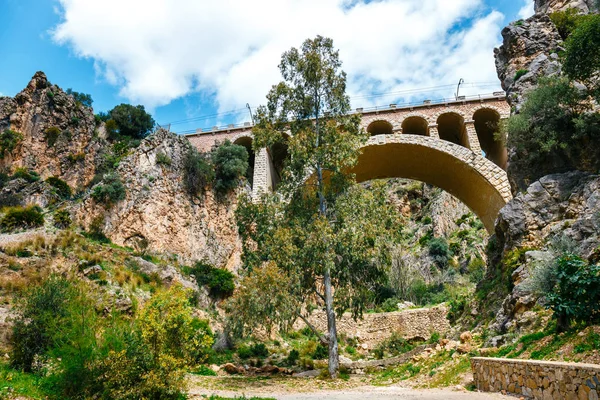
column 592, row 342
column 19, row 384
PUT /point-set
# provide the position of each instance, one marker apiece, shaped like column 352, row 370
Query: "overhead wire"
column 366, row 96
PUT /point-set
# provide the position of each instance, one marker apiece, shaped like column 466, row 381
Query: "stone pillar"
column 433, row 132
column 473, row 139
column 262, row 182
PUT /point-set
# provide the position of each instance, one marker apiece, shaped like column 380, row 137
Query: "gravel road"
column 367, row 393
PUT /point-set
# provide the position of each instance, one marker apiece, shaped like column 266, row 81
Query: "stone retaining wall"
column 375, row 328
column 537, row 379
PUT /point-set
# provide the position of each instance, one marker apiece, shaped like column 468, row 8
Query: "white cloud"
column 159, row 50
column 527, row 10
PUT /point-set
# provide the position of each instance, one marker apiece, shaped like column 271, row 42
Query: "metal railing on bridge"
column 361, row 110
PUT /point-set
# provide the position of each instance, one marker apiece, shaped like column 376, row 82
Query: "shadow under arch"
column 380, row 127
column 246, row 141
column 460, row 172
column 487, row 126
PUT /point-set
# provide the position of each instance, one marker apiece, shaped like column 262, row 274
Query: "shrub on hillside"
column 83, row 99
column 38, row 312
column 231, row 163
column 582, row 61
column 198, row 172
column 566, row 21
column 21, row 218
column 440, row 252
column 219, row 281
column 51, row 134
column 8, row 141
column 62, row 188
column 110, row 191
column 570, row 287
column 62, row 219
column 553, row 133
column 24, row 173
column 163, row 159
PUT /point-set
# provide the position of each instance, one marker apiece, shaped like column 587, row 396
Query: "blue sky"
column 190, row 59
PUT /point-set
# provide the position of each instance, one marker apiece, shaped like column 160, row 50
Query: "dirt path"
column 359, row 393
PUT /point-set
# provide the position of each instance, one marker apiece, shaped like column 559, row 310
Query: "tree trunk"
column 334, row 360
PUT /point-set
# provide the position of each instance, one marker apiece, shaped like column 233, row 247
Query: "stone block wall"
column 537, row 379
column 375, row 328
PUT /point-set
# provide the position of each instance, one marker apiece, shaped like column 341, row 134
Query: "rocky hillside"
column 158, row 214
column 556, row 214
column 59, row 135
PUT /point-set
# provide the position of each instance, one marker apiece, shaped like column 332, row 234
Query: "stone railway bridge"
column 451, row 145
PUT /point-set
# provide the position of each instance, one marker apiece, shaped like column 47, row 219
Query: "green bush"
column 131, row 121
column 231, row 163
column 392, row 346
column 198, row 172
column 553, row 133
column 576, row 293
column 582, row 61
column 566, row 21
column 219, row 281
column 163, row 159
column 62, row 188
column 9, row 141
column 292, row 358
column 520, row 73
column 21, row 218
column 440, row 252
column 110, row 191
column 28, row 175
column 51, row 134
column 320, row 353
column 38, row 312
column 62, row 219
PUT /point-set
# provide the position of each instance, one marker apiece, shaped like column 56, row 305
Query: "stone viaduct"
column 449, row 144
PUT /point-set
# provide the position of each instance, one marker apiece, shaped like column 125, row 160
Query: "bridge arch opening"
column 279, row 156
column 415, row 126
column 380, row 127
column 439, row 166
column 451, row 127
column 246, row 141
column 487, row 125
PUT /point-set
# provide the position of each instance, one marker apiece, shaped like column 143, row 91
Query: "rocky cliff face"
column 529, row 51
column 59, row 134
column 547, row 6
column 558, row 212
column 159, row 215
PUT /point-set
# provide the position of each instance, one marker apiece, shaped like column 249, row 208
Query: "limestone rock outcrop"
column 59, row 134
column 159, row 215
column 529, row 51
column 562, row 204
column 547, row 6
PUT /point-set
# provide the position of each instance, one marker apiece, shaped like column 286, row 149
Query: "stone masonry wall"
column 537, row 379
column 375, row 328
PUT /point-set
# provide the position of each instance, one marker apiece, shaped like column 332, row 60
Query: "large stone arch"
column 476, row 181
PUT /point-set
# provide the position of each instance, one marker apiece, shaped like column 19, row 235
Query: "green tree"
column 231, row 163
column 198, row 171
column 328, row 233
column 132, row 121
column 110, row 191
column 83, row 98
column 582, row 61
